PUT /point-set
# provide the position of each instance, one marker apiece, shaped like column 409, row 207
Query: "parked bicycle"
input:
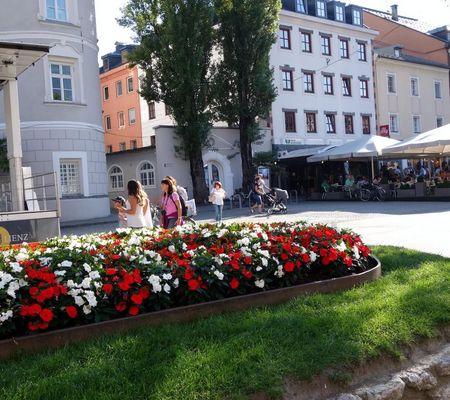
column 371, row 192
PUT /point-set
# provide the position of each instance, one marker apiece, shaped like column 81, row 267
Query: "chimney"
column 394, row 12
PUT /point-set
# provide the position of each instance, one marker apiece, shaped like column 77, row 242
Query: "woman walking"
column 171, row 212
column 139, row 206
column 217, row 197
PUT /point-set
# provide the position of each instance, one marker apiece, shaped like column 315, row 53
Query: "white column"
column 14, row 143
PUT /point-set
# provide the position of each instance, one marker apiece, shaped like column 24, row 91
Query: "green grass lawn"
column 233, row 355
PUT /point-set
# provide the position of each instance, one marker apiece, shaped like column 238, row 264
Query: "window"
column 437, row 90
column 168, row 110
column 391, row 83
column 356, row 17
column 132, row 116
column 364, row 88
column 109, row 148
column 62, row 86
column 108, row 123
column 325, row 45
column 311, row 126
column 362, row 54
column 308, row 82
column 285, row 38
column 393, row 123
column 330, row 122
column 300, row 6
column 69, row 173
column 105, row 93
column 328, row 84
column 56, row 10
column 147, row 174
column 119, row 88
column 348, row 121
column 133, row 144
column 289, row 119
column 306, row 42
column 339, row 13
column 343, row 48
column 439, row 122
column 321, row 8
column 346, row 86
column 130, row 86
column 288, row 83
column 416, row 124
column 365, row 124
column 122, row 146
column 120, row 119
column 151, row 110
column 116, row 178
column 105, row 64
column 414, row 87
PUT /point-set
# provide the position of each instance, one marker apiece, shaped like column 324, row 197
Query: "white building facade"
column 323, row 71
column 60, row 100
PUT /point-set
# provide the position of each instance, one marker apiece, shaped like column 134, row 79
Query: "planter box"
column 406, row 193
column 62, row 337
column 420, row 189
column 443, row 192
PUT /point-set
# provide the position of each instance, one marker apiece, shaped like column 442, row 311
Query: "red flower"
column 111, row 271
column 72, row 311
column 32, row 326
column 133, row 310
column 137, row 276
column 144, row 292
column 289, row 266
column 193, row 284
column 234, row 283
column 122, row 306
column 188, row 274
column 248, row 260
column 33, row 291
column 137, row 298
column 348, row 261
column 325, row 261
column 247, row 274
column 284, row 256
column 116, row 257
column 46, row 315
column 107, row 288
column 124, row 286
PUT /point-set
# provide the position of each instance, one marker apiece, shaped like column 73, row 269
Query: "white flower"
column 70, row 283
column 184, row 246
column 341, row 246
column 171, row 248
column 12, row 288
column 156, row 287
column 176, row 282
column 259, row 283
column 87, row 267
column 5, row 316
column 167, row 277
column 79, row 301
column 86, row 284
column 16, row 267
column 166, row 288
column 154, row 279
column 258, row 268
column 219, row 275
column 86, row 309
column 356, row 252
column 66, row 264
column 90, row 297
column 21, row 256
column 94, row 275
column 313, row 256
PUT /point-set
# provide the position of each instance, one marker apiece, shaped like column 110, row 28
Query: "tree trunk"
column 246, row 154
column 198, row 177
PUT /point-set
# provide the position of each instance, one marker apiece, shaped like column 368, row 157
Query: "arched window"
column 116, row 178
column 146, row 174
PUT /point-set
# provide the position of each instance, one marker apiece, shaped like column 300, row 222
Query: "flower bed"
column 78, row 280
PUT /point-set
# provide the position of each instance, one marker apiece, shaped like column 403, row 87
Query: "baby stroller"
column 277, row 201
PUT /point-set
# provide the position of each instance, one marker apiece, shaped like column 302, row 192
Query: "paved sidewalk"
column 423, row 226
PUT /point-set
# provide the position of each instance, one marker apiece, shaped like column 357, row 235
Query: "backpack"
column 183, row 206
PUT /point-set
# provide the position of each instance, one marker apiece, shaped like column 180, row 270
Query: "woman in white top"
column 217, row 197
column 138, row 215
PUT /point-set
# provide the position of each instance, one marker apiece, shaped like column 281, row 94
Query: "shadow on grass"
column 232, row 355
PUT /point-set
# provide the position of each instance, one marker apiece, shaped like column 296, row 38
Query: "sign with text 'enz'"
column 16, row 232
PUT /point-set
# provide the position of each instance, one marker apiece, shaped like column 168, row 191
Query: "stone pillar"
column 14, row 143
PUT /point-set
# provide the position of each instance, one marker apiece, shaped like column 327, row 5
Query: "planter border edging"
column 65, row 336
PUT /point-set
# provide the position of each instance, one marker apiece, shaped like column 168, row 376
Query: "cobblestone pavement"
column 423, row 226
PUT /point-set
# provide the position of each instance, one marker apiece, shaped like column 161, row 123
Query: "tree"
column 4, row 163
column 243, row 85
column 176, row 38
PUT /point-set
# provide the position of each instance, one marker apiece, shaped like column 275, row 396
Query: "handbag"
column 211, row 198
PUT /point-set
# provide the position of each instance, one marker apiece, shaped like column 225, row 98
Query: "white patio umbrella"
column 432, row 143
column 365, row 148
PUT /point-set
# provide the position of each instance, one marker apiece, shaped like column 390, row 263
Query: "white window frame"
column 325, row 45
column 362, row 55
column 108, row 117
column 105, row 89
column 139, row 171
column 300, row 6
column 129, row 116
column 118, row 188
column 391, row 130
column 328, row 84
column 61, row 77
column 152, row 105
column 57, row 156
column 394, row 77
column 284, row 36
column 439, row 82
column 121, row 126
column 357, row 17
column 344, row 48
column 330, row 122
column 72, row 16
column 339, row 13
column 346, row 91
column 306, row 42
column 122, row 146
column 284, row 74
column 414, row 125
column 321, row 8
column 364, row 86
column 119, row 83
column 130, row 78
column 55, row 4
column 411, row 80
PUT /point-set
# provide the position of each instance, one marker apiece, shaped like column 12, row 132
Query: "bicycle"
column 372, row 192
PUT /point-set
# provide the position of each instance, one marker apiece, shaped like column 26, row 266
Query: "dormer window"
column 397, row 52
column 105, row 64
column 320, row 7
column 357, row 17
column 300, row 6
column 56, row 10
column 339, row 13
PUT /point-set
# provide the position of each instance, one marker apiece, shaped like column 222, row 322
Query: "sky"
column 436, row 12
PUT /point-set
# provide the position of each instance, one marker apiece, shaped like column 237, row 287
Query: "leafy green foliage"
column 176, row 39
column 4, row 163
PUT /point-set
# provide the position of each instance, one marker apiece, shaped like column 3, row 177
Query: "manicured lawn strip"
column 233, row 355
